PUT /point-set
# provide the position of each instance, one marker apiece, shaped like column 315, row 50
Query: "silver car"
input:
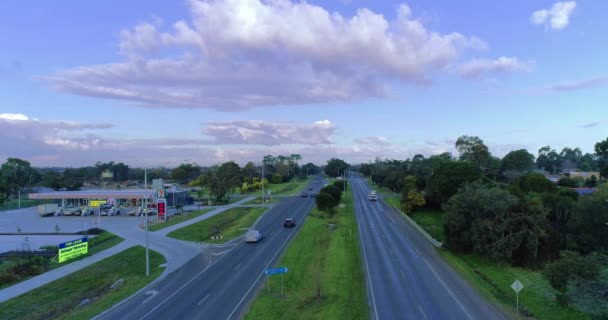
column 253, row 236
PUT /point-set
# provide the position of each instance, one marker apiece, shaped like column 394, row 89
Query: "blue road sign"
column 275, row 271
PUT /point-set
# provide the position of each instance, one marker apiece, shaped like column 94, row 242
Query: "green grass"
column 334, row 258
column 493, row 280
column 258, row 200
column 431, row 221
column 97, row 244
column 287, row 188
column 231, row 224
column 59, row 299
column 173, row 220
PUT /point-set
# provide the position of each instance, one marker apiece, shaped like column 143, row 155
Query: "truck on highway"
column 372, row 196
column 47, row 209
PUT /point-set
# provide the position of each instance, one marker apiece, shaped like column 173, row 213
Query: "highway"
column 406, row 278
column 220, row 284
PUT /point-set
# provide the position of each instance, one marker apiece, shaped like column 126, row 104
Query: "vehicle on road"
column 372, row 196
column 289, row 223
column 312, row 194
column 253, row 236
column 309, row 188
column 47, row 209
column 304, row 194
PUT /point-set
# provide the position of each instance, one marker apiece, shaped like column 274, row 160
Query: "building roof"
column 95, row 194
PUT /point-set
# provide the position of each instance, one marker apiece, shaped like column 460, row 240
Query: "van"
column 253, row 236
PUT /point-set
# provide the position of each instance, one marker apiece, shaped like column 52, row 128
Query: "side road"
column 176, row 252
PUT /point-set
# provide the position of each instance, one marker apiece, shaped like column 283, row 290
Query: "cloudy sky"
column 150, row 82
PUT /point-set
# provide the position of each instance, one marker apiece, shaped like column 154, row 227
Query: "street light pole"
column 146, row 222
column 19, row 202
column 263, row 198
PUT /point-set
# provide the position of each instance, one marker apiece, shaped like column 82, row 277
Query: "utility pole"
column 262, row 180
column 146, row 221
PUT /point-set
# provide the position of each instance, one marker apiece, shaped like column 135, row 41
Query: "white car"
column 253, row 236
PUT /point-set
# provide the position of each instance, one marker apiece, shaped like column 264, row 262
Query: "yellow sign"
column 72, row 249
column 96, row 203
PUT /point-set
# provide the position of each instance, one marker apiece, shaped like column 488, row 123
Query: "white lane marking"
column 262, row 273
column 220, row 253
column 179, row 289
column 237, row 266
column 369, row 279
column 422, row 310
column 432, row 270
column 205, row 298
column 150, row 293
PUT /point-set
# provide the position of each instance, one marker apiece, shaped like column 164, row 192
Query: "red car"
column 289, row 223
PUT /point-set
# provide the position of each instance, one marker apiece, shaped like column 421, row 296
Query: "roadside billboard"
column 72, row 249
column 161, row 207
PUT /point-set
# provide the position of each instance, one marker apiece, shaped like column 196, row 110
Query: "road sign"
column 517, row 286
column 275, row 271
column 72, row 249
column 161, row 205
column 160, row 193
column 96, row 203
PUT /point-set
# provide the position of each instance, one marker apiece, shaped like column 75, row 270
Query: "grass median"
column 25, row 266
column 60, row 298
column 230, row 224
column 258, row 200
column 175, row 219
column 287, row 188
column 321, row 261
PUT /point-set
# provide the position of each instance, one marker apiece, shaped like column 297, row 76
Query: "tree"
column 548, row 159
column 411, row 198
column 51, row 179
column 570, row 267
column 532, row 182
column 326, row 202
column 588, row 223
column 571, row 158
column 519, row 160
column 222, row 179
column 601, row 149
column 276, row 179
column 249, row 171
column 185, row 172
column 567, row 182
column 448, row 177
column 591, row 182
column 17, row 174
column 335, row 167
column 473, row 150
column 309, row 168
column 72, row 179
column 334, row 191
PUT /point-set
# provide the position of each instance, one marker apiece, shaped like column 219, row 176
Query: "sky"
column 152, row 83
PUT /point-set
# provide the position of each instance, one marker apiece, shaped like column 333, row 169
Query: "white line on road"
column 369, row 278
column 205, row 298
column 237, row 266
column 178, row 290
column 220, row 253
column 422, row 310
column 151, row 293
column 262, row 273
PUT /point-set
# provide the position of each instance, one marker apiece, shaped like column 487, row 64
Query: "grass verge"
column 319, row 260
column 493, row 280
column 175, row 219
column 18, row 269
column 258, row 200
column 287, row 188
column 230, row 224
column 431, row 221
column 59, row 299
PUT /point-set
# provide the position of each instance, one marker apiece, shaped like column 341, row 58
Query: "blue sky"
column 83, row 82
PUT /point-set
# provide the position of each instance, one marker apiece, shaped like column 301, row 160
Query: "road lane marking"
column 151, row 293
column 422, row 310
column 268, row 264
column 179, row 289
column 369, row 280
column 237, row 266
column 205, row 298
column 220, row 253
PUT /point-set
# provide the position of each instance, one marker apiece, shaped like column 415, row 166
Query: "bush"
column 567, row 182
column 563, row 299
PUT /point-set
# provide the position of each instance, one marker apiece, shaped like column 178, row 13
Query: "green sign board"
column 72, row 249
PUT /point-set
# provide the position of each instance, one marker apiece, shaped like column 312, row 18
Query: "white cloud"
column 589, row 83
column 270, row 133
column 236, row 54
column 14, row 116
column 557, row 17
column 477, row 68
column 379, row 141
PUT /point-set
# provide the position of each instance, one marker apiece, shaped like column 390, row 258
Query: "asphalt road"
column 406, row 278
column 220, row 284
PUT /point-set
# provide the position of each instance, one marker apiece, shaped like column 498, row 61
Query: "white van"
column 253, row 236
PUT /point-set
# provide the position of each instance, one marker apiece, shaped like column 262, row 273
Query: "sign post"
column 517, row 286
column 72, row 249
column 281, row 271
